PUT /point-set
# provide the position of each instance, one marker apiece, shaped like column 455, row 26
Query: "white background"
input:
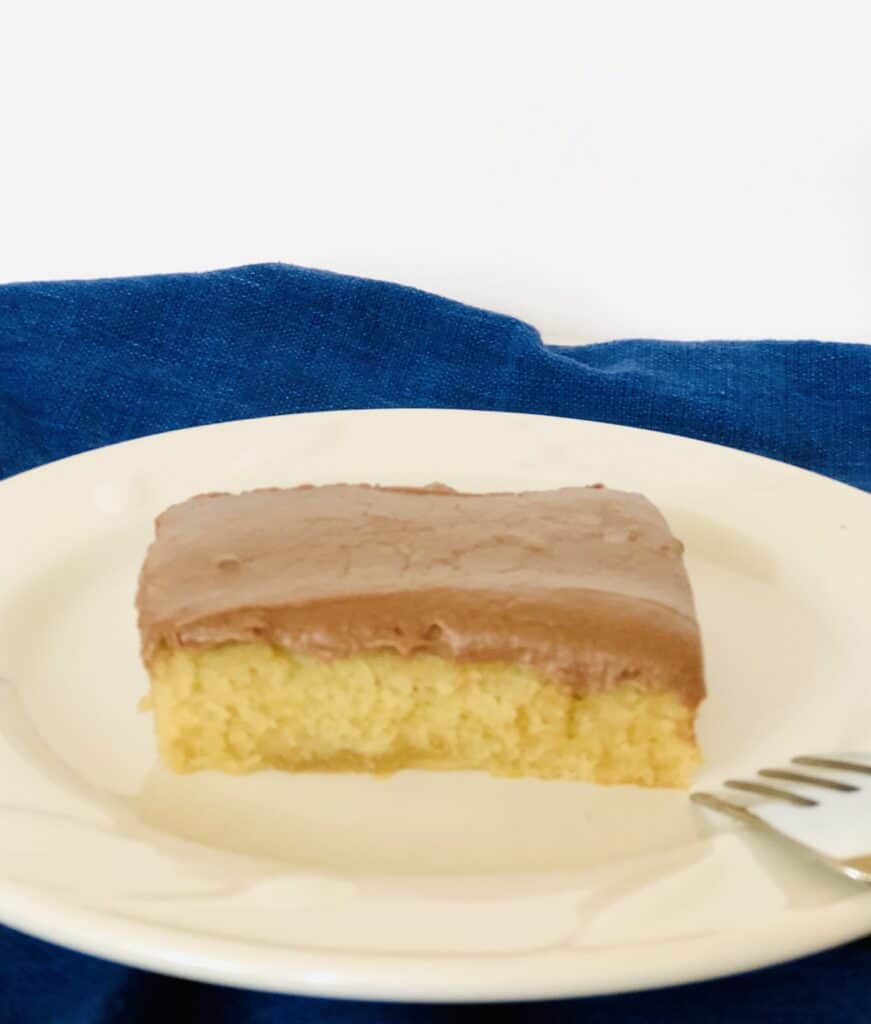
column 678, row 168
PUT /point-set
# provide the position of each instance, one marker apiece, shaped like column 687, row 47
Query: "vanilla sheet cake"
column 360, row 628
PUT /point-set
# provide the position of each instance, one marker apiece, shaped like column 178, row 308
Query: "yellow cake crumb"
column 243, row 707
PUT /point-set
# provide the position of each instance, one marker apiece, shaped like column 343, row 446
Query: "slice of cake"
column 358, row 628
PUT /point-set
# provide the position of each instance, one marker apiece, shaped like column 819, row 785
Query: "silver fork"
column 825, row 812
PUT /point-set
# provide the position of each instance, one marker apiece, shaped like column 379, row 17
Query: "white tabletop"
column 603, row 169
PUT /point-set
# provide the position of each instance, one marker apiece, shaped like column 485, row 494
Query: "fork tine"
column 760, row 789
column 833, row 762
column 717, row 803
column 809, row 780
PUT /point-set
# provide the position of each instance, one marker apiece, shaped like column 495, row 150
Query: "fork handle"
column 856, row 868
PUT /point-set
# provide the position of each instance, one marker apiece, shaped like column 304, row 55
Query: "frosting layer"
column 585, row 584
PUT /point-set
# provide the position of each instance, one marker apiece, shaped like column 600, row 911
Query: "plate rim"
column 99, row 451
column 393, row 977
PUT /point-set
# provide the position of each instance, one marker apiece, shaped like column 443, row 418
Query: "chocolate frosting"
column 585, row 584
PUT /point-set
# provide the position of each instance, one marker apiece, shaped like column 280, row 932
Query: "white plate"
column 425, row 886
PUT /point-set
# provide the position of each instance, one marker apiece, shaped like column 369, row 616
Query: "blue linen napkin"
column 88, row 363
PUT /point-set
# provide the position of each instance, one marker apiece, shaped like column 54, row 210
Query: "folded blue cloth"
column 88, row 363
